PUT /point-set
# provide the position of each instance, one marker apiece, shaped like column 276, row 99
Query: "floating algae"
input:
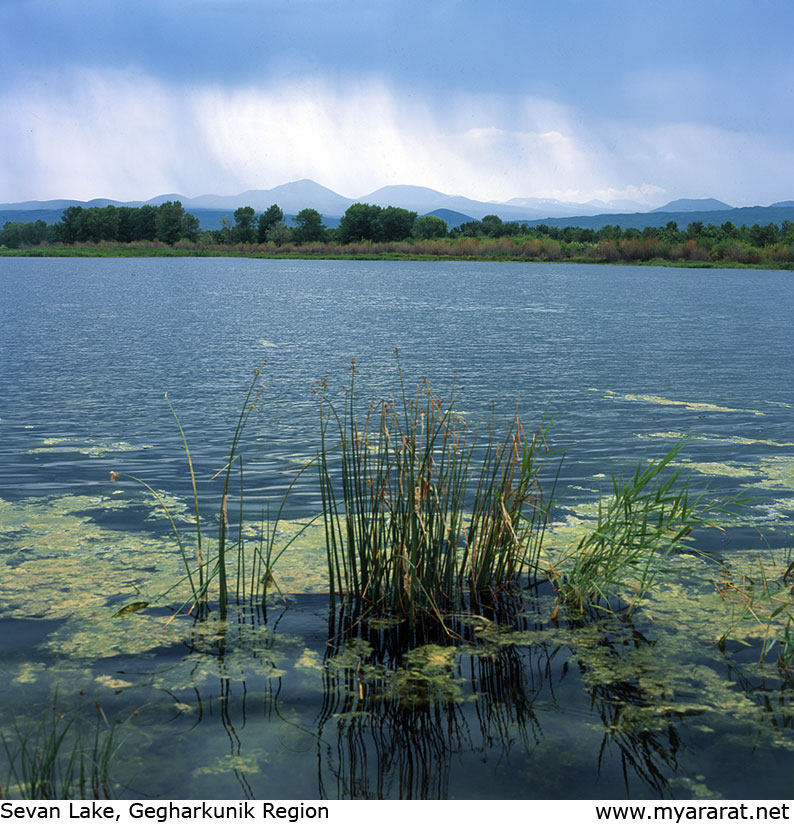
column 668, row 402
column 774, row 472
column 232, row 763
column 677, row 436
column 87, row 447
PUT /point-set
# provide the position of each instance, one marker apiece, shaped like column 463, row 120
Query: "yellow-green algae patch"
column 677, row 436
column 669, row 402
column 688, row 618
column 60, row 563
column 87, row 447
column 76, row 570
column 232, row 763
column 773, row 472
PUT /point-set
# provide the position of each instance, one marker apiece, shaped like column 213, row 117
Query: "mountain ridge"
column 293, row 197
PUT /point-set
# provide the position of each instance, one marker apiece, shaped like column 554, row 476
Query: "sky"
column 577, row 100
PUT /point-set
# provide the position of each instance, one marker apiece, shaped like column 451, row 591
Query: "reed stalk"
column 421, row 511
column 250, row 565
column 645, row 519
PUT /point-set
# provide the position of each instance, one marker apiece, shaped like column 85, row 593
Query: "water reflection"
column 413, row 714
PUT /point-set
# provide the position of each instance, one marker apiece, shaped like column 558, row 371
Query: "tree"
column 169, row 222
column 429, row 227
column 279, row 233
column 144, row 226
column 308, row 227
column 360, row 221
column 109, row 223
column 225, row 233
column 492, row 226
column 267, row 220
column 126, row 224
column 69, row 226
column 190, row 228
column 694, row 229
column 396, row 223
column 471, row 229
column 244, row 225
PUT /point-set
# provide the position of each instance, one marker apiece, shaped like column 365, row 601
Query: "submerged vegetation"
column 61, row 756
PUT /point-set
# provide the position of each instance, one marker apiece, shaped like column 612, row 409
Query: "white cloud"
column 129, row 136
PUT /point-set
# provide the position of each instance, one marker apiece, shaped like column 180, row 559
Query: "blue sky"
column 611, row 100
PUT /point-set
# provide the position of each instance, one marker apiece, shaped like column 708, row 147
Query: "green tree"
column 360, row 221
column 91, row 226
column 144, row 226
column 126, row 224
column 11, row 235
column 109, row 223
column 70, row 224
column 225, row 233
column 267, row 220
column 309, row 227
column 492, row 226
column 278, row 233
column 396, row 223
column 169, row 222
column 429, row 227
column 471, row 229
column 694, row 229
column 190, row 227
column 243, row 230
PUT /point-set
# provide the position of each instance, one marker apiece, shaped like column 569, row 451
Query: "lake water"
column 623, row 360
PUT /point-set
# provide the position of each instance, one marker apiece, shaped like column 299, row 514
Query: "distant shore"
column 442, row 250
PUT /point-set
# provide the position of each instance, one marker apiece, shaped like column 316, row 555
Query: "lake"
column 689, row 698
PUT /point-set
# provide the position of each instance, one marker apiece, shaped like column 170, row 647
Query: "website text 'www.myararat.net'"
column 693, row 812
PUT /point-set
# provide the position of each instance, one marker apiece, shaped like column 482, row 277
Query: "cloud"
column 127, row 135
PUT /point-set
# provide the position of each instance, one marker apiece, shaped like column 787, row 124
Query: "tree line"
column 170, row 224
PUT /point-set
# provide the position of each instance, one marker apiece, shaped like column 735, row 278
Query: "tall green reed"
column 239, row 569
column 644, row 520
column 422, row 512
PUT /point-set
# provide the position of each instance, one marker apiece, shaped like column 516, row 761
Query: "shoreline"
column 116, row 252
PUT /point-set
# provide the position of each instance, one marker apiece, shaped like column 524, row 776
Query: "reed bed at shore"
column 731, row 254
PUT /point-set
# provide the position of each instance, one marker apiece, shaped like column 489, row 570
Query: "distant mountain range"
column 692, row 205
column 292, row 197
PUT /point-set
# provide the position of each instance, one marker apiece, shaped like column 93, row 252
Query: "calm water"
column 617, row 357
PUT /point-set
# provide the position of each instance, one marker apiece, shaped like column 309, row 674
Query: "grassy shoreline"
column 116, row 251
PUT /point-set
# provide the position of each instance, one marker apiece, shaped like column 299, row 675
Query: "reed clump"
column 425, row 515
column 646, row 518
column 423, row 512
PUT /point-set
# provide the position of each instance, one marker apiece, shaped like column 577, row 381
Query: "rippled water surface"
column 625, row 361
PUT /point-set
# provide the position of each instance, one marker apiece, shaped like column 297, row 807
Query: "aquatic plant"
column 421, row 510
column 60, row 757
column 252, row 569
column 645, row 519
column 767, row 598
